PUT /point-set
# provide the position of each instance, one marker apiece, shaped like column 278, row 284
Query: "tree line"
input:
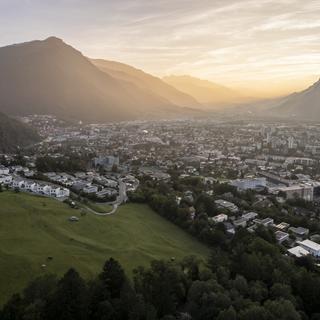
column 249, row 279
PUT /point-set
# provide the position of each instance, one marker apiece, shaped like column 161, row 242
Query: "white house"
column 29, row 185
column 222, row 204
column 41, row 188
column 18, row 183
column 60, row 192
column 298, row 251
column 90, row 189
column 4, row 170
column 267, row 222
column 47, row 190
column 5, row 178
column 249, row 216
column 219, row 218
column 311, row 246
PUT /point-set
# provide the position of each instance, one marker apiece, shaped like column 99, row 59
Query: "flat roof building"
column 298, row 252
column 311, row 246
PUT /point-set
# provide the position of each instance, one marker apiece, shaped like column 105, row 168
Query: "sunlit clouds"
column 267, row 46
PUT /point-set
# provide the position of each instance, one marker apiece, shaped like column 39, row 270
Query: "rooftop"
column 310, row 244
column 298, row 251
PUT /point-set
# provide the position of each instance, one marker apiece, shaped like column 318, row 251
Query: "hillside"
column 304, row 105
column 206, row 92
column 51, row 77
column 35, row 228
column 14, row 134
column 143, row 80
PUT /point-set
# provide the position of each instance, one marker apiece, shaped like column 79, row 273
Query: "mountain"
column 304, row 105
column 51, row 77
column 14, row 134
column 143, row 80
column 206, row 92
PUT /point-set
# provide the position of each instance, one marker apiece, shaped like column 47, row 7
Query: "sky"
column 263, row 47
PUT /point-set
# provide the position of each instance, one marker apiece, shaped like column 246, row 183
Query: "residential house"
column 298, row 251
column 240, row 223
column 219, row 218
column 267, row 222
column 312, row 247
column 5, row 178
column 223, row 204
column 249, row 216
column 281, row 236
column 299, row 232
column 90, row 189
column 4, row 170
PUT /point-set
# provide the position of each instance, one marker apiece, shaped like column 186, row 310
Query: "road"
column 121, row 198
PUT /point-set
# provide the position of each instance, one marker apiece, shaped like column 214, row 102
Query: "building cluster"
column 296, row 238
column 10, row 177
column 277, row 160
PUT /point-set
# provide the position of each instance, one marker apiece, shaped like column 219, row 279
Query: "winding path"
column 122, row 197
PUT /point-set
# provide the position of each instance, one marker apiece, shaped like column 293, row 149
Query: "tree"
column 161, row 286
column 201, row 302
column 306, row 262
column 13, row 309
column 279, row 290
column 255, row 312
column 36, row 294
column 241, row 284
column 282, row 309
column 104, row 311
column 69, row 301
column 112, row 278
column 229, row 314
column 190, row 266
column 258, row 291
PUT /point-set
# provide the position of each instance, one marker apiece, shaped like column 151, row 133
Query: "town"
column 254, row 173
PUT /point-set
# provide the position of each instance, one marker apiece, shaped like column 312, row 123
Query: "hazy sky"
column 266, row 45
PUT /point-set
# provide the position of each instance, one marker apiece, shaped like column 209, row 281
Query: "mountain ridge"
column 208, row 93
column 304, row 105
column 143, row 79
column 51, row 77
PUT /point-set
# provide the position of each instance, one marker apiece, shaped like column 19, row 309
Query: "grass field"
column 34, row 228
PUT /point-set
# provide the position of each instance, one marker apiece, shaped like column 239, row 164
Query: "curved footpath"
column 122, row 197
column 114, row 209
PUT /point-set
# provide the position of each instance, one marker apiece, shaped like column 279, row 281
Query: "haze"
column 265, row 48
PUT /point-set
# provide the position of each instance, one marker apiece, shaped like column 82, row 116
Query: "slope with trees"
column 14, row 134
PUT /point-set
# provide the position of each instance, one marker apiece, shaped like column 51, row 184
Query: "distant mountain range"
column 14, row 134
column 209, row 94
column 145, row 81
column 51, row 77
column 304, row 105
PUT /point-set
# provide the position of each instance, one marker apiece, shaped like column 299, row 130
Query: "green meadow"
column 36, row 237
